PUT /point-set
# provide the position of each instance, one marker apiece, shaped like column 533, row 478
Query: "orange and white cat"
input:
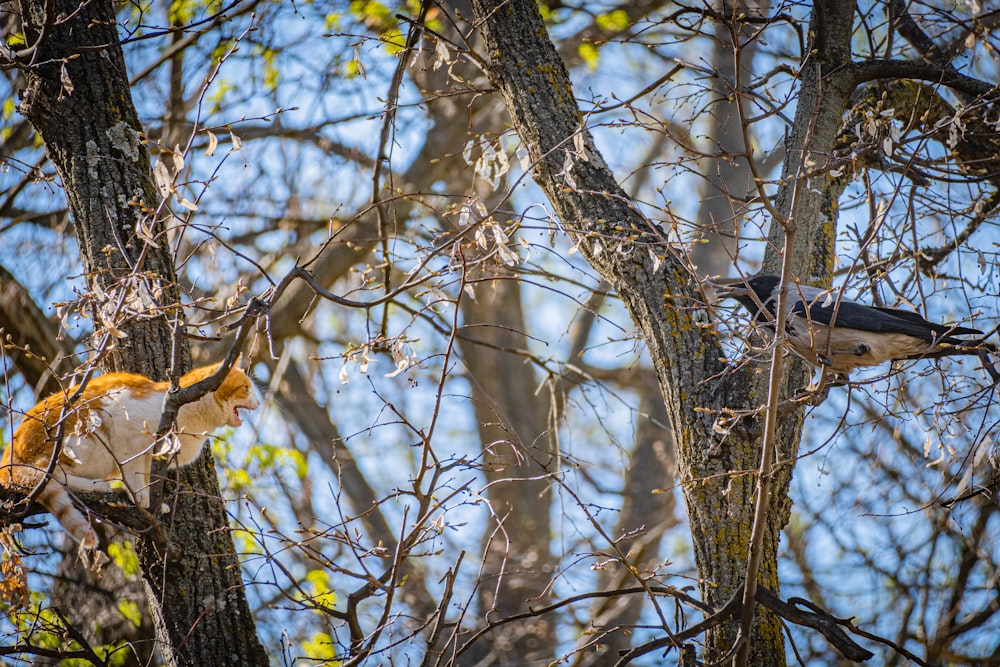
column 109, row 434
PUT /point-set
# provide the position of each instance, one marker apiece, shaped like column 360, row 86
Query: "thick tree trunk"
column 663, row 296
column 79, row 102
column 826, row 84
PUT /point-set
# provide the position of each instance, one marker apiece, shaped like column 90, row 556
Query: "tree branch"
column 828, row 625
column 869, row 70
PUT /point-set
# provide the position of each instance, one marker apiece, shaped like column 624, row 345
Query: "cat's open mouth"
column 237, row 420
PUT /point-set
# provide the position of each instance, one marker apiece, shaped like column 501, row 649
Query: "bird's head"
column 754, row 294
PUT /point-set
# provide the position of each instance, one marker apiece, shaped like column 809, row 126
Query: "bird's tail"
column 982, row 348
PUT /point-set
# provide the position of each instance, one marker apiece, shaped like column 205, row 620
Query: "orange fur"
column 108, row 434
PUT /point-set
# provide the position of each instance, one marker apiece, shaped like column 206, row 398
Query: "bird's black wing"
column 939, row 329
column 853, row 315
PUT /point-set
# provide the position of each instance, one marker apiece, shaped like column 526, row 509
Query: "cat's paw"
column 89, row 541
column 164, row 508
column 88, row 548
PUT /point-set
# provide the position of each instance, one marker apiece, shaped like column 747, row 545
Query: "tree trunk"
column 825, row 89
column 663, row 296
column 78, row 100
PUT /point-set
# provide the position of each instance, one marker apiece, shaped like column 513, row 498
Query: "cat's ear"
column 239, row 361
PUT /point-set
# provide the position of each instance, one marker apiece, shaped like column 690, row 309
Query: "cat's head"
column 236, row 393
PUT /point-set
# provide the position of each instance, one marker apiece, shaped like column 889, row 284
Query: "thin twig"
column 382, row 157
column 764, row 481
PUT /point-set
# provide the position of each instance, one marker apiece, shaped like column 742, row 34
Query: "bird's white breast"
column 839, row 345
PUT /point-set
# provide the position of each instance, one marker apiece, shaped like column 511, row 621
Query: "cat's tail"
column 54, row 497
column 7, row 468
column 58, row 501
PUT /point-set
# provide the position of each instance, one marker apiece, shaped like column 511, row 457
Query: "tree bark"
column 826, row 83
column 78, row 100
column 665, row 298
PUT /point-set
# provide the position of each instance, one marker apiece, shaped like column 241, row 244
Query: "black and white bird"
column 826, row 329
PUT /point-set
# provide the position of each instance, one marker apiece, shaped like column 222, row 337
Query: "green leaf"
column 320, row 593
column 130, row 611
column 321, row 647
column 246, row 542
column 124, row 556
column 588, row 52
column 238, row 479
column 395, row 40
column 615, row 21
column 182, row 11
column 374, row 14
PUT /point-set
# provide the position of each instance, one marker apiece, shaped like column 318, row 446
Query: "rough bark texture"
column 826, row 85
column 78, row 100
column 825, row 89
column 716, row 470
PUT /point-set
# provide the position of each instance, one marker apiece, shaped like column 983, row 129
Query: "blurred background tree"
column 467, row 454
